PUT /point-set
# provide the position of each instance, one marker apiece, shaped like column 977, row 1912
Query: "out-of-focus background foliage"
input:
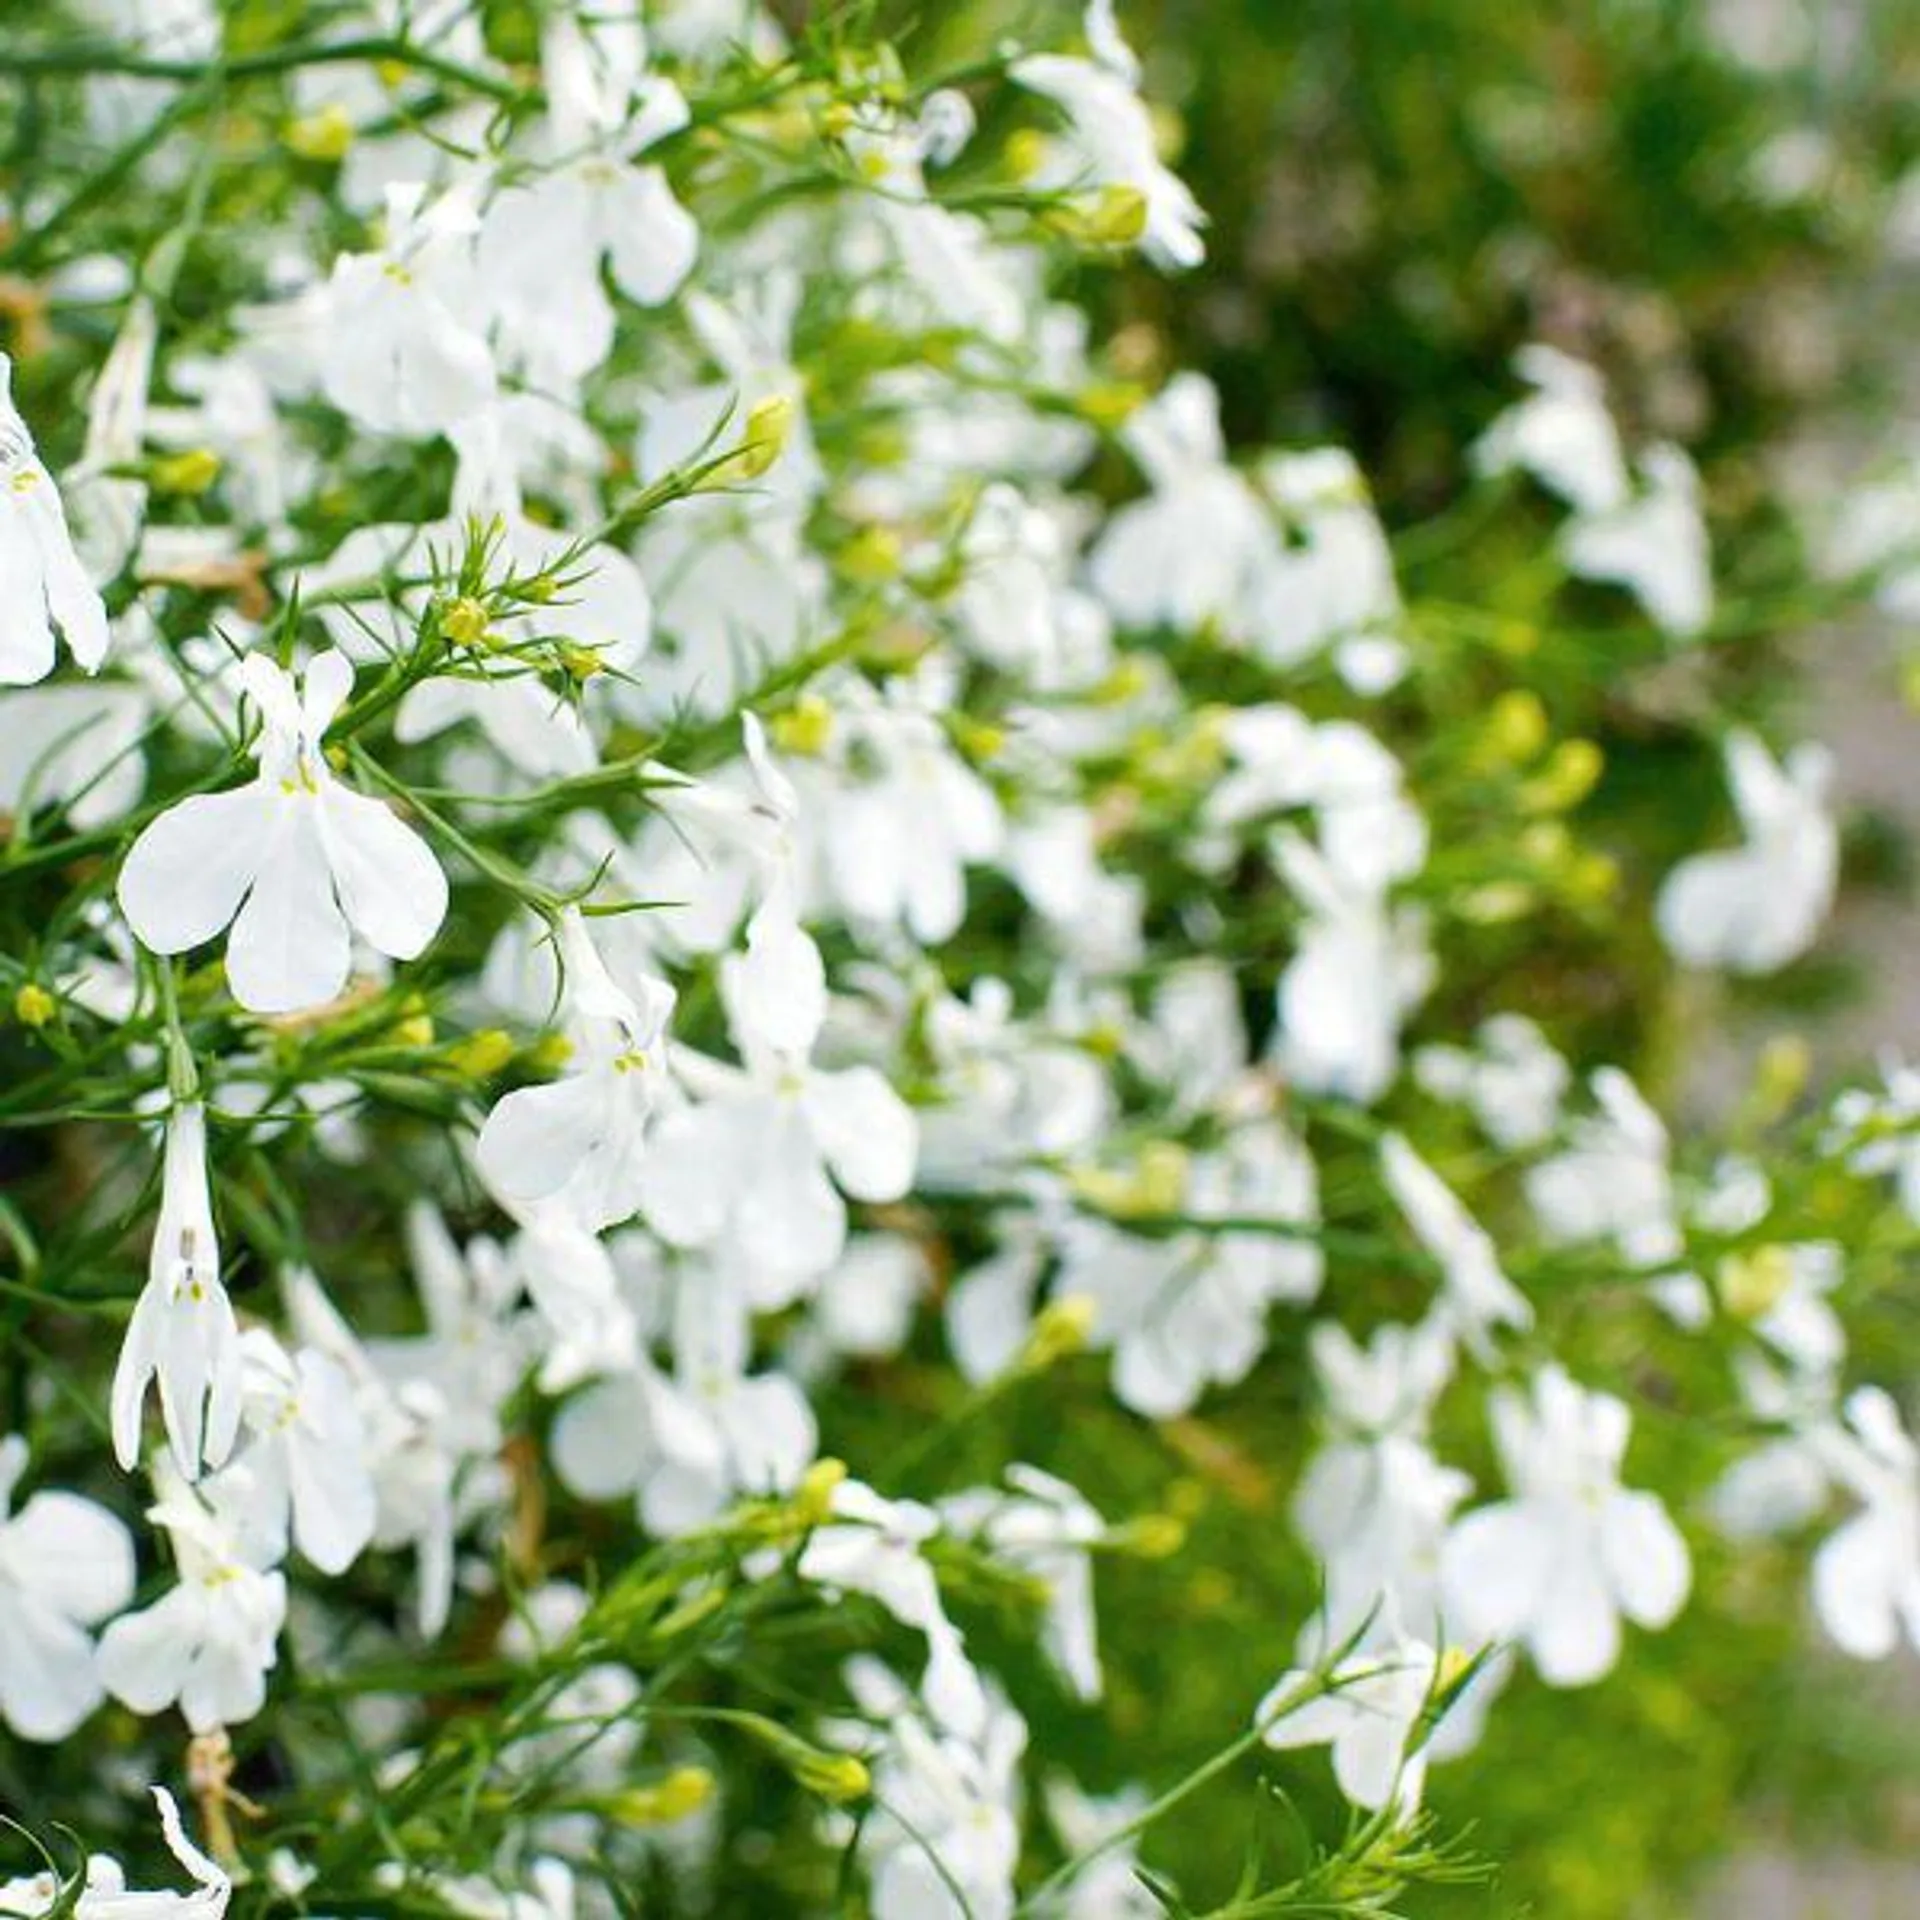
column 1719, row 205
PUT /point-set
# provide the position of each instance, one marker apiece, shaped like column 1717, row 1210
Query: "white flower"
column 294, row 860
column 182, row 1333
column 1654, row 545
column 746, row 1167
column 1374, row 1503
column 397, row 352
column 872, row 1546
column 689, row 1445
column 307, row 1456
column 1561, row 433
column 1612, row 1181
column 1756, row 909
column 1476, row 1296
column 106, row 1895
column 1332, row 584
column 43, row 586
column 1866, row 1578
column 1559, row 1563
column 209, row 1643
column 1043, row 1528
column 1360, row 968
column 1187, row 1311
column 1368, row 1715
column 1513, row 1079
column 1183, row 556
column 896, row 817
column 579, row 1142
column 65, row 1565
column 1111, row 139
column 943, row 1841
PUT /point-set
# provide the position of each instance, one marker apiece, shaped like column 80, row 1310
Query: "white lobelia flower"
column 1654, row 545
column 1612, row 1181
column 1044, row 1529
column 688, row 1445
column 1561, row 433
column 1332, row 585
column 209, row 1643
column 1374, row 1503
column 307, row 1453
column 397, row 353
column 872, row 1546
column 943, row 1842
column 1879, row 1130
column 579, row 1143
column 542, row 243
column 1558, row 1564
column 1476, row 1296
column 1755, row 909
column 1110, row 140
column 1513, row 1079
column 43, row 587
column 182, row 1333
column 65, row 1565
column 1866, row 1578
column 1369, row 1715
column 1362, row 965
column 106, row 1895
column 1182, row 557
column 1187, row 1311
column 750, row 1167
column 296, row 861
column 895, row 815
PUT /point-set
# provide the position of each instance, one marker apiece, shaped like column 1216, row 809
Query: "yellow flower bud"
column 1061, row 1329
column 414, row 1028
column 834, row 1777
column 581, row 663
column 813, row 1498
column 1752, row 1284
column 872, row 556
column 1151, row 1536
column 481, row 1055
column 1116, row 216
column 665, row 1801
column 1026, row 153
column 191, row 472
column 550, row 1053
column 1568, row 777
column 1110, row 403
column 1785, row 1066
column 324, row 136
column 805, row 728
column 1516, row 729
column 769, row 424
column 34, row 1006
column 465, row 622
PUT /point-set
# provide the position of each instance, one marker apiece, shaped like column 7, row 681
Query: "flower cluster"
column 649, row 903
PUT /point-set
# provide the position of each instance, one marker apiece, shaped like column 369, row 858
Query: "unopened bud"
column 1752, row 1284
column 769, row 425
column 324, row 136
column 1516, row 729
column 805, row 728
column 872, row 557
column 1786, row 1065
column 481, row 1055
column 1568, row 777
column 191, row 472
column 1150, row 1536
column 1061, row 1329
column 465, row 622
column 1110, row 403
column 1116, row 216
column 581, row 663
column 663, row 1802
column 414, row 1028
column 813, row 1497
column 34, row 1006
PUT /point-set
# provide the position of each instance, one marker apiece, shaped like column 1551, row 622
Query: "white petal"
column 289, row 948
column 79, row 1557
column 1855, row 1579
column 190, row 869
column 391, row 887
column 1645, row 1558
column 865, row 1131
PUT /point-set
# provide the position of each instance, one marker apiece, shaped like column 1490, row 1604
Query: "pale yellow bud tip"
column 34, row 1006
